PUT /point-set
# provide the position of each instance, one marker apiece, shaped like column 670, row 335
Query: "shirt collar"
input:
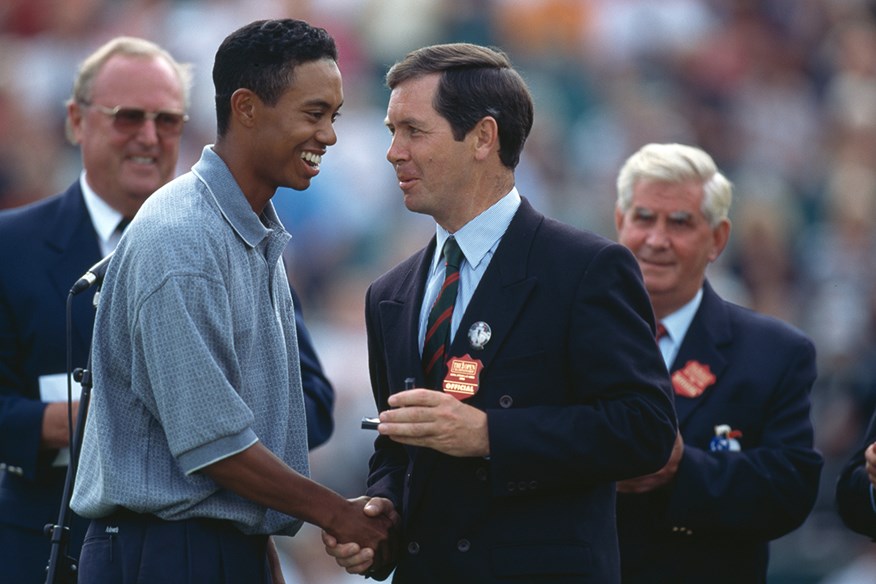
column 234, row 205
column 104, row 218
column 477, row 237
column 679, row 321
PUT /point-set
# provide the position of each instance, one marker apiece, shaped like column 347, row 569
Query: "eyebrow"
column 321, row 103
column 681, row 215
column 403, row 122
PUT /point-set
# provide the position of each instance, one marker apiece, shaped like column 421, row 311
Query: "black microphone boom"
column 93, row 276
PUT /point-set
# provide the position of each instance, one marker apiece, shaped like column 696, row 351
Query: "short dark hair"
column 475, row 82
column 262, row 57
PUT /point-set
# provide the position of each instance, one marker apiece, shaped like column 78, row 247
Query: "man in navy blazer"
column 551, row 388
column 47, row 246
column 744, row 470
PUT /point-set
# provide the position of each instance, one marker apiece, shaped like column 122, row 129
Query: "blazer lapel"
column 401, row 320
column 709, row 330
column 502, row 291
column 72, row 248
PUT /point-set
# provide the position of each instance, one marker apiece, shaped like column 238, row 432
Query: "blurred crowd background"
column 782, row 93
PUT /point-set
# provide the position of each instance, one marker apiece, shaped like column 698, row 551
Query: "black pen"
column 371, row 423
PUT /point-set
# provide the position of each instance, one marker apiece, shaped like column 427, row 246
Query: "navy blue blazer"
column 44, row 249
column 576, row 396
column 714, row 521
column 853, row 498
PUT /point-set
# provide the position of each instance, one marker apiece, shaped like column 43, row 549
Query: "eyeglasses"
column 129, row 119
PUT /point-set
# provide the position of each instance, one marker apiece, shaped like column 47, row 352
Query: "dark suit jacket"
column 714, row 522
column 853, row 497
column 44, row 249
column 576, row 396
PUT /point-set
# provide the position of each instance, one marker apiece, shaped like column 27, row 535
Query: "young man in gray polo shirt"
column 195, row 448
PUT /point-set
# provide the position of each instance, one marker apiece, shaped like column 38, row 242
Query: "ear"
column 720, row 237
column 244, row 107
column 486, row 137
column 74, row 122
column 618, row 219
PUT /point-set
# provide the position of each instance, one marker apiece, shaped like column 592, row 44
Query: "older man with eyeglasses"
column 126, row 113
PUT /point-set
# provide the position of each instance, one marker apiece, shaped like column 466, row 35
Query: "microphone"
column 93, row 276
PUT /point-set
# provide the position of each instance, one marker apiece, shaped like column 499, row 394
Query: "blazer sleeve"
column 319, row 395
column 389, row 462
column 21, row 411
column 612, row 416
column 20, row 424
column 853, row 491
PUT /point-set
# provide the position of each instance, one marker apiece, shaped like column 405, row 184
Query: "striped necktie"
column 438, row 325
column 661, row 331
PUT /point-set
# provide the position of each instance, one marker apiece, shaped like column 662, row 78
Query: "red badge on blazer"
column 692, row 379
column 463, row 376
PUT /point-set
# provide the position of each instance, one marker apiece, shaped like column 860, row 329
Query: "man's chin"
column 655, row 285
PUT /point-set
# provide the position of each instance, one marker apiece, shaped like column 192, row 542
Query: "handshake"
column 365, row 539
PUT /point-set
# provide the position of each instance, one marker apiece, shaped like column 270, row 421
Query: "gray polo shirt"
column 195, row 357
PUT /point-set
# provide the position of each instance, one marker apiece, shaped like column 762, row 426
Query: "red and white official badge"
column 692, row 379
column 463, row 376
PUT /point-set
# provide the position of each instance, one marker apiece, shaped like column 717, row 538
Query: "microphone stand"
column 62, row 569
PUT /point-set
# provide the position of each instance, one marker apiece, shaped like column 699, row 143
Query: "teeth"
column 143, row 159
column 314, row 159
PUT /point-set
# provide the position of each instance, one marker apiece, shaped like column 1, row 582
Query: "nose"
column 395, row 153
column 657, row 238
column 148, row 133
column 327, row 135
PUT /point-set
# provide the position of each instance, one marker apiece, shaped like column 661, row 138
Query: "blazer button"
column 505, row 401
column 413, row 548
column 463, row 545
column 533, row 485
column 481, row 474
column 521, row 485
column 511, row 486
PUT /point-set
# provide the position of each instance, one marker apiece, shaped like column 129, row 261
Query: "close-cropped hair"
column 475, row 82
column 262, row 57
column 129, row 47
column 677, row 163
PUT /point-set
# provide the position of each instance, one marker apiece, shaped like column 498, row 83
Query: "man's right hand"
column 358, row 558
column 56, row 429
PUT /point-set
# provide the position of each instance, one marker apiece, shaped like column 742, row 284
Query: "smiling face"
column 124, row 168
column 288, row 139
column 435, row 172
column 672, row 240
